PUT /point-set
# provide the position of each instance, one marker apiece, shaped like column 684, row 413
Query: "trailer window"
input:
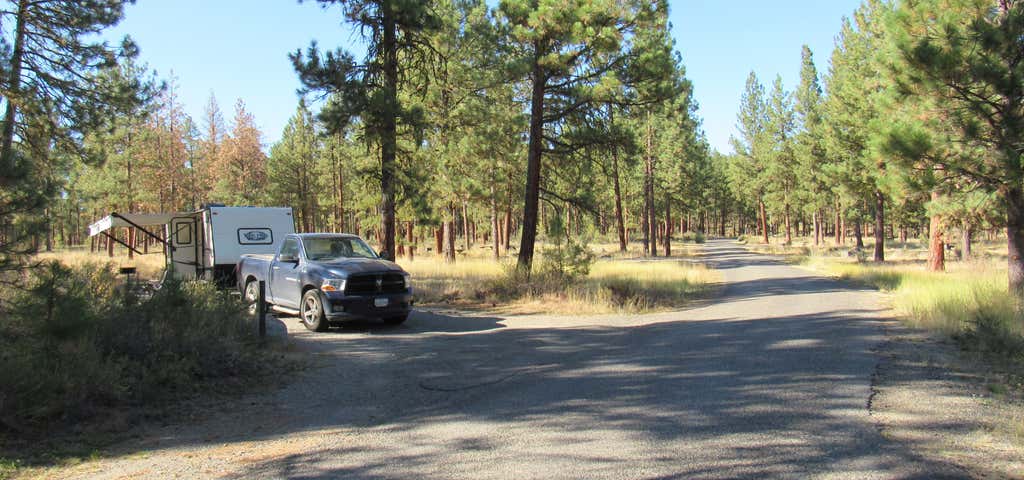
column 183, row 233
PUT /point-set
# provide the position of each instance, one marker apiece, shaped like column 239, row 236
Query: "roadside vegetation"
column 610, row 285
column 77, row 347
column 968, row 302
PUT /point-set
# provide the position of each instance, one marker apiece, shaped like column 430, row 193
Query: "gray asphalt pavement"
column 772, row 379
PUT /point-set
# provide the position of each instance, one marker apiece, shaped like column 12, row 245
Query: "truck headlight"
column 333, row 285
column 407, row 280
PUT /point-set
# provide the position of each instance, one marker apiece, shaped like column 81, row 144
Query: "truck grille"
column 375, row 283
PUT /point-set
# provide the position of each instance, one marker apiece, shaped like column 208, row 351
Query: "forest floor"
column 783, row 374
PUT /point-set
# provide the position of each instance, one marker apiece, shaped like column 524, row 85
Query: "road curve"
column 773, row 379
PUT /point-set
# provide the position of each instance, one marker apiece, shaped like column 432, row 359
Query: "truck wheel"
column 312, row 311
column 396, row 320
column 252, row 293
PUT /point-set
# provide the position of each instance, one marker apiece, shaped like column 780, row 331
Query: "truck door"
column 183, row 239
column 285, row 285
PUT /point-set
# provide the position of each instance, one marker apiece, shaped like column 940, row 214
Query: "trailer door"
column 183, row 233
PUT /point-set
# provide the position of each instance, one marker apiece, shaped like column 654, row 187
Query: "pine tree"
column 748, row 165
column 292, row 168
column 962, row 58
column 395, row 32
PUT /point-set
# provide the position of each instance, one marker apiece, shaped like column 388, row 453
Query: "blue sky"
column 238, row 49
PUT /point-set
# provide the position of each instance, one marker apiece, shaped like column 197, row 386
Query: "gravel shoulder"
column 784, row 375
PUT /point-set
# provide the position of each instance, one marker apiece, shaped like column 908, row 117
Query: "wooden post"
column 261, row 310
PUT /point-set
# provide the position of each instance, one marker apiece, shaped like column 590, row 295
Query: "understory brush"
column 75, row 343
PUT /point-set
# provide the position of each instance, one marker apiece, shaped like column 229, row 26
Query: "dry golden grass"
column 611, row 286
column 149, row 267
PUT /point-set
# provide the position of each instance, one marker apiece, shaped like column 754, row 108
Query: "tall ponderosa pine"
column 567, row 50
column 747, row 167
column 395, row 34
column 810, row 150
column 964, row 57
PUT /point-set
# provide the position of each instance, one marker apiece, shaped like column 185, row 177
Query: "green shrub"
column 75, row 342
column 698, row 237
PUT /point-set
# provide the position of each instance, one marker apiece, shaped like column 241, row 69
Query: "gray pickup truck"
column 326, row 278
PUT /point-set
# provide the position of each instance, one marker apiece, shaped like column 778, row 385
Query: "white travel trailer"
column 206, row 244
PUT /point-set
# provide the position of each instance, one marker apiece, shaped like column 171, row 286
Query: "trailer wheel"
column 252, row 293
column 312, row 311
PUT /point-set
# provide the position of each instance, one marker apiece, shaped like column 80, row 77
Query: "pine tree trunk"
column 507, row 235
column 533, row 162
column 439, row 240
column 339, row 212
column 465, row 227
column 936, row 247
column 858, row 233
column 389, row 127
column 449, row 235
column 966, row 235
column 649, row 161
column 817, row 228
column 879, row 226
column 789, row 226
column 494, row 226
column 620, row 224
column 764, row 220
column 13, row 88
column 1015, row 242
column 644, row 222
column 668, row 228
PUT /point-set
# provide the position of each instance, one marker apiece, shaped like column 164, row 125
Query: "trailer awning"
column 115, row 220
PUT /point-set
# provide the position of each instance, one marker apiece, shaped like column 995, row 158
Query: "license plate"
column 380, row 302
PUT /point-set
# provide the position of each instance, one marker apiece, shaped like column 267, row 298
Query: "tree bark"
column 858, row 233
column 879, row 226
column 533, row 162
column 1015, row 242
column 449, row 235
column 817, row 228
column 966, row 235
column 764, row 220
column 936, row 247
column 789, row 226
column 494, row 226
column 668, row 228
column 14, row 91
column 339, row 209
column 466, row 240
column 649, row 164
column 620, row 224
column 389, row 127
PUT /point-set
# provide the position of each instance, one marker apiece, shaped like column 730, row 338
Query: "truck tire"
column 251, row 295
column 396, row 320
column 312, row 312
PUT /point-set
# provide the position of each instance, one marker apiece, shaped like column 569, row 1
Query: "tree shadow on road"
column 737, row 398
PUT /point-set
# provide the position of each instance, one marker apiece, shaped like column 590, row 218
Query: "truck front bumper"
column 386, row 305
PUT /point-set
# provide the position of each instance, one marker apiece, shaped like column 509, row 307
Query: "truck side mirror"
column 288, row 259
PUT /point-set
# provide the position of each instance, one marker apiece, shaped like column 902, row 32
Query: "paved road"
column 771, row 379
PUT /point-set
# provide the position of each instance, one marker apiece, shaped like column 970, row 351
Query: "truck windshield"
column 329, row 248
